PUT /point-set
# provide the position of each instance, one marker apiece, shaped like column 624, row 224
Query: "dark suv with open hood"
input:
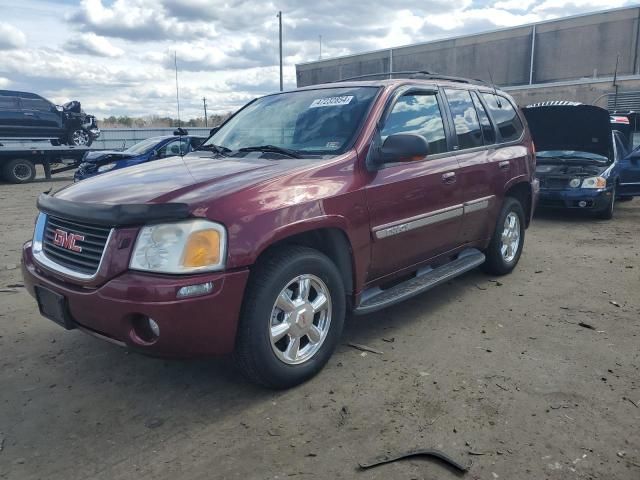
column 578, row 156
column 303, row 206
column 28, row 116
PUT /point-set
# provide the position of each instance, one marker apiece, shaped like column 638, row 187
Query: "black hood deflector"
column 584, row 128
column 110, row 215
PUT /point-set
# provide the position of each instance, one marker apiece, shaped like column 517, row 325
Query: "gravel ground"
column 497, row 373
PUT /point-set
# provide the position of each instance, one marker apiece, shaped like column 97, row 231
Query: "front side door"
column 42, row 117
column 415, row 207
column 629, row 183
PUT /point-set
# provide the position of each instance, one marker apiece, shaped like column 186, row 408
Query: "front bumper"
column 190, row 327
column 577, row 198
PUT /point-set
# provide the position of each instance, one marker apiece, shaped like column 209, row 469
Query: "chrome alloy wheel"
column 510, row 240
column 300, row 319
column 80, row 138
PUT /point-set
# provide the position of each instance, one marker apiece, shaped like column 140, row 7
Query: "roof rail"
column 414, row 74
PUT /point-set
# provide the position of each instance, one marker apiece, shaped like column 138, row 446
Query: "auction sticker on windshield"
column 331, row 101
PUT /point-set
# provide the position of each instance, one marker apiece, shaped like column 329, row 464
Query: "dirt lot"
column 497, row 374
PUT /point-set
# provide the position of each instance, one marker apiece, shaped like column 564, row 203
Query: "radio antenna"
column 495, row 90
column 175, row 63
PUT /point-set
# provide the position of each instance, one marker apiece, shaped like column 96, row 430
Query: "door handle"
column 449, row 177
column 504, row 165
column 28, row 114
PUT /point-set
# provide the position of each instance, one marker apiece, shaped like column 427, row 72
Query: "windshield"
column 320, row 121
column 143, row 146
column 571, row 155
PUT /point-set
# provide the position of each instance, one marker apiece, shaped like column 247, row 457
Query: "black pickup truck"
column 26, row 115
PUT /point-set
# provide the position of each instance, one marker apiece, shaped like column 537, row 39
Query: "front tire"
column 506, row 244
column 79, row 138
column 607, row 213
column 292, row 317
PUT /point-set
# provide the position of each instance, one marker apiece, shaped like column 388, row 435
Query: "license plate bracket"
column 53, row 306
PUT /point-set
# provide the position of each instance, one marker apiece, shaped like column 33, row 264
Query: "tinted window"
column 419, row 114
column 505, row 116
column 465, row 118
column 488, row 132
column 39, row 104
column 176, row 147
column 8, row 103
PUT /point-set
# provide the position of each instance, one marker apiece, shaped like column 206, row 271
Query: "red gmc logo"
column 67, row 240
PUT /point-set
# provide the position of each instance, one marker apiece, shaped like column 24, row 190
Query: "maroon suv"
column 302, row 207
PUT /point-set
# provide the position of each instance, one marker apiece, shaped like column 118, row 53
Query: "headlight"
column 594, row 182
column 575, row 182
column 106, row 168
column 185, row 247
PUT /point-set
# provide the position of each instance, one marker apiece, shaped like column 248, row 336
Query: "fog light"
column 154, row 327
column 195, row 290
column 582, row 203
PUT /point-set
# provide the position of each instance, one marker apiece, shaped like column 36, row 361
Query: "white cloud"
column 11, row 37
column 4, row 82
column 570, row 7
column 92, row 44
column 521, row 5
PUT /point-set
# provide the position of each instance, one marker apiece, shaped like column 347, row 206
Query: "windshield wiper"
column 272, row 148
column 224, row 151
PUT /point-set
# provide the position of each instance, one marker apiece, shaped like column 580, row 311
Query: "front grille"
column 554, row 183
column 85, row 261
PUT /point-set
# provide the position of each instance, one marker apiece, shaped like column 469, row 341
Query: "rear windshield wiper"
column 215, row 148
column 272, row 148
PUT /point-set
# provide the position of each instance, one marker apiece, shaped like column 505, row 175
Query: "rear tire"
column 19, row 171
column 284, row 294
column 506, row 244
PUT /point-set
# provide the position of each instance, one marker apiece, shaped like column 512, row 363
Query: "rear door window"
column 488, row 133
column 505, row 116
column 418, row 113
column 465, row 118
column 8, row 103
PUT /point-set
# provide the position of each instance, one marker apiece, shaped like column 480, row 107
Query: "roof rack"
column 414, row 74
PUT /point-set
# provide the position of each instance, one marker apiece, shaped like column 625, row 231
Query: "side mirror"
column 213, row 130
column 404, row 147
column 58, row 108
column 154, row 154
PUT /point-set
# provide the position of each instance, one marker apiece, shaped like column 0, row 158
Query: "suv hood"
column 196, row 177
column 570, row 126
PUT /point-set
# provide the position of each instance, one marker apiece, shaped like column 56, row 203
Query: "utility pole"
column 204, row 104
column 280, row 27
column 320, row 40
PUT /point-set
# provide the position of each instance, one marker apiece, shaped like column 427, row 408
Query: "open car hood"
column 570, row 126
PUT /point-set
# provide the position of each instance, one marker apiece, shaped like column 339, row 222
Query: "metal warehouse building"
column 588, row 58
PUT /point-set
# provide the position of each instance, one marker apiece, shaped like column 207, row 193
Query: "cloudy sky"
column 116, row 56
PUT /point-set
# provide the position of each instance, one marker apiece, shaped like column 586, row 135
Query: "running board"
column 374, row 299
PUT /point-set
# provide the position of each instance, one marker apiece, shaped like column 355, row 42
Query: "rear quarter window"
column 505, row 117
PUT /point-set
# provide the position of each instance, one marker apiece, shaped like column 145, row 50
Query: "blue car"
column 582, row 162
column 95, row 163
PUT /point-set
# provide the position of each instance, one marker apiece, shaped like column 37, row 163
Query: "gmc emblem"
column 67, row 240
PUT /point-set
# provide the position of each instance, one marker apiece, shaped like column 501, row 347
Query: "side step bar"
column 376, row 299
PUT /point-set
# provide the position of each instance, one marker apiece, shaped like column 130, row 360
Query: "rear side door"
column 43, row 118
column 415, row 207
column 475, row 148
column 12, row 122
